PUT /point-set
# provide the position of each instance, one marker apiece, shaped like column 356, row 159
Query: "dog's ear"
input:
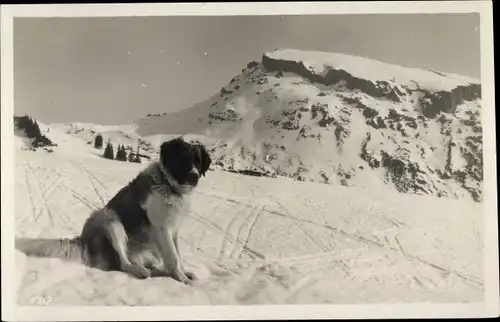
column 205, row 158
column 164, row 150
column 168, row 148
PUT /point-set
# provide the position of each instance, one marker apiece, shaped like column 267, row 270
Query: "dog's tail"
column 66, row 249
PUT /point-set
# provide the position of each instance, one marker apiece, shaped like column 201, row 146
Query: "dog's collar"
column 170, row 181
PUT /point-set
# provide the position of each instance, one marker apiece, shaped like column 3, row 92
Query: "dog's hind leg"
column 118, row 238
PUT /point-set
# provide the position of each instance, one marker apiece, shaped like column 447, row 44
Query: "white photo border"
column 489, row 308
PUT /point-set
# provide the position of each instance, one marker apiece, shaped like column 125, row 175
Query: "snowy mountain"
column 340, row 119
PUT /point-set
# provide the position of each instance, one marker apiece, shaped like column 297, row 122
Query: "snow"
column 371, row 69
column 253, row 240
column 122, row 132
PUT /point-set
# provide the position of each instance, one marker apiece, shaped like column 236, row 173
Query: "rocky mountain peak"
column 342, row 119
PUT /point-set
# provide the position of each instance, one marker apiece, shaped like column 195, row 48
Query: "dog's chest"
column 165, row 211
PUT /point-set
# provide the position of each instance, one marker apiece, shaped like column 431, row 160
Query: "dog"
column 137, row 231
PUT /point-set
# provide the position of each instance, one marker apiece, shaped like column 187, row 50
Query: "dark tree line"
column 121, row 153
column 32, row 131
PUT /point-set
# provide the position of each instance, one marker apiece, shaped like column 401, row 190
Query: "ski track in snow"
column 256, row 241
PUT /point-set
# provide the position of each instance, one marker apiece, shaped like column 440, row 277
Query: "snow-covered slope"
column 253, row 240
column 340, row 119
column 125, row 135
column 62, row 142
column 117, row 134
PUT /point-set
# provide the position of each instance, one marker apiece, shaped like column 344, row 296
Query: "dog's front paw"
column 191, row 276
column 178, row 276
column 182, row 277
column 135, row 270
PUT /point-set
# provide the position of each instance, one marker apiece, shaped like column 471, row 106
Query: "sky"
column 116, row 70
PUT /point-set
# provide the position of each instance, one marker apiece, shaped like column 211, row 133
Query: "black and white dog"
column 137, row 232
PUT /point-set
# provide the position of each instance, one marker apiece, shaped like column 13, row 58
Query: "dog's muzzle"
column 193, row 177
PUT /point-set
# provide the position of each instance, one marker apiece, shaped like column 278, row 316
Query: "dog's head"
column 185, row 162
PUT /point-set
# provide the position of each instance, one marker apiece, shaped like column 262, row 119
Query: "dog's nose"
column 192, row 177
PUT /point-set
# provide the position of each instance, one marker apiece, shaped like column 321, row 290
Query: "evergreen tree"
column 36, row 130
column 30, row 128
column 118, row 152
column 121, row 154
column 98, row 141
column 137, row 158
column 108, row 151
